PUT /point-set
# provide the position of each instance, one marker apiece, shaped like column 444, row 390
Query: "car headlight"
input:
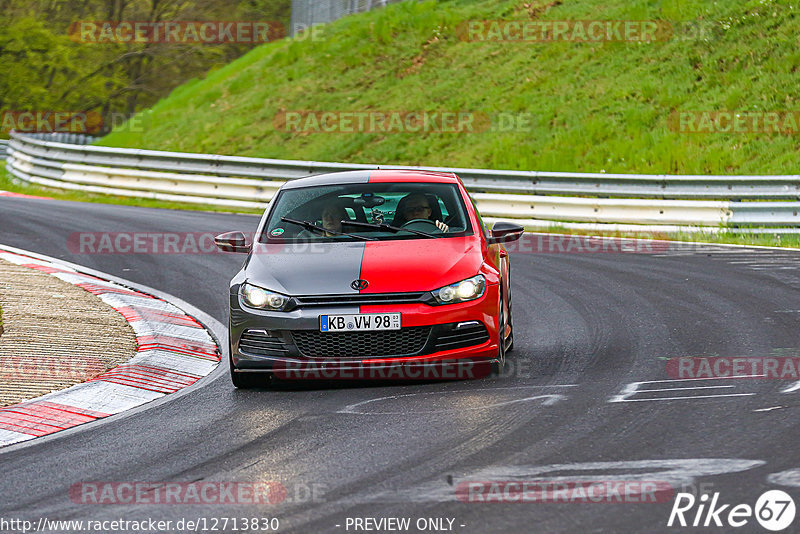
column 462, row 291
column 264, row 299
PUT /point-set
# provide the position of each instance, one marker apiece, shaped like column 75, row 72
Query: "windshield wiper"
column 311, row 226
column 389, row 227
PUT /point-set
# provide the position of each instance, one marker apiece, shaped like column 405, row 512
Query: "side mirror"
column 503, row 232
column 232, row 242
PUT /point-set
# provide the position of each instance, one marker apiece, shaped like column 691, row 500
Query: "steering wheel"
column 426, row 222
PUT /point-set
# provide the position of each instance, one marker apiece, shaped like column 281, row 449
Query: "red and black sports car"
column 370, row 274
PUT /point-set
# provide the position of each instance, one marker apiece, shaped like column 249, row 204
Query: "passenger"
column 333, row 213
column 332, row 216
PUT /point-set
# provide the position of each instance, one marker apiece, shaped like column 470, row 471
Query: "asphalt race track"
column 594, row 333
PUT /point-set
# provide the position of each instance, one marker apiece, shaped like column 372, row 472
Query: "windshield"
column 384, row 211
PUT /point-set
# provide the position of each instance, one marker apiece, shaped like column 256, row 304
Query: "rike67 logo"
column 774, row 510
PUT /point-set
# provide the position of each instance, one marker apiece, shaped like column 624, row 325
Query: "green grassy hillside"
column 594, row 106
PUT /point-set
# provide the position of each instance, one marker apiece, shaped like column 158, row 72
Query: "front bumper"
column 435, row 340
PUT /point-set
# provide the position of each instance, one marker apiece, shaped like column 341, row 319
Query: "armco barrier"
column 306, row 13
column 624, row 202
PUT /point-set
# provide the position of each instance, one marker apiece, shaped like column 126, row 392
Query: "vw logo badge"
column 359, row 284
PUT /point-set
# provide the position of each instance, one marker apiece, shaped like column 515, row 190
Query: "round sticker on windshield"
column 276, row 232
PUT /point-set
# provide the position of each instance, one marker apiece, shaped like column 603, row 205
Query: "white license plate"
column 359, row 323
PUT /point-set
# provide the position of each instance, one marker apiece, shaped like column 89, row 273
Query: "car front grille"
column 259, row 343
column 404, row 342
column 360, row 299
column 467, row 336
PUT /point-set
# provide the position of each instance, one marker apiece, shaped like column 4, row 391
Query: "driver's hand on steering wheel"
column 442, row 226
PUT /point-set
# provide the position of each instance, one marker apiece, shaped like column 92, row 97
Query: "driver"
column 417, row 206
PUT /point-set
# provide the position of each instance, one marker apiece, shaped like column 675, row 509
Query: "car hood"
column 388, row 266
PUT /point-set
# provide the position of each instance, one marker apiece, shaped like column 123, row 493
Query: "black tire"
column 510, row 323
column 497, row 368
column 249, row 380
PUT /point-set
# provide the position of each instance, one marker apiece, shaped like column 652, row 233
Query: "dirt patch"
column 535, row 9
column 419, row 59
column 55, row 334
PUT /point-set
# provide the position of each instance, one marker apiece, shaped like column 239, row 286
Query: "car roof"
column 373, row 176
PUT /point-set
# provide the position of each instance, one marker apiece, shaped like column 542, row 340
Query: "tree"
column 45, row 67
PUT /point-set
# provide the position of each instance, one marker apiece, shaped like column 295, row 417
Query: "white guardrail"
column 617, row 202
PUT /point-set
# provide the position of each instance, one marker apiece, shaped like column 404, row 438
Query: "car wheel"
column 510, row 346
column 497, row 368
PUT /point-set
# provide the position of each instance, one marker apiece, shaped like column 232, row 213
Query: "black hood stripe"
column 317, row 269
